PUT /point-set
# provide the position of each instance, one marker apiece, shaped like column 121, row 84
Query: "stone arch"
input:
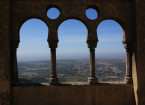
column 33, row 48
column 111, row 47
column 72, row 47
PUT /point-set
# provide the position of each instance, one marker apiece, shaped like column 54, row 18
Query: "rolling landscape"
column 73, row 70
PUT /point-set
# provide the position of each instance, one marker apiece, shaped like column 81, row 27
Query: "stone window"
column 91, row 19
column 33, row 52
column 72, row 52
column 110, row 52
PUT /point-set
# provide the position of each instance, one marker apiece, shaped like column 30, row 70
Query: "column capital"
column 92, row 43
column 52, row 43
column 128, row 46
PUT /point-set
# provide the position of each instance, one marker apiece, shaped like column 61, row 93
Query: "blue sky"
column 72, row 40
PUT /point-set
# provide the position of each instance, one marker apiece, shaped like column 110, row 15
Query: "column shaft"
column 92, row 79
column 54, row 79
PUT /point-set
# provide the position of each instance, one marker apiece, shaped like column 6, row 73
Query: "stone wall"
column 140, row 50
column 74, row 95
column 4, row 53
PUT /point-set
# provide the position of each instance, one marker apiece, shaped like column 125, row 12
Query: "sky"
column 72, row 35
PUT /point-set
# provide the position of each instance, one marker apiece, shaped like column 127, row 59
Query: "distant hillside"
column 107, row 70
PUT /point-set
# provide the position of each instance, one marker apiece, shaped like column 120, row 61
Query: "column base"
column 93, row 80
column 128, row 80
column 54, row 81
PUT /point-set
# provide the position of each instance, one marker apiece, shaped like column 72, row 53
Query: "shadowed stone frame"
column 119, row 10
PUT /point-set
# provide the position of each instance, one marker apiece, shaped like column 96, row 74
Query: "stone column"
column 92, row 43
column 54, row 78
column 92, row 78
column 128, row 76
column 52, row 42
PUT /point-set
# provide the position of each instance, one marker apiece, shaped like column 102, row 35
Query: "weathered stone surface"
column 4, row 92
column 4, row 53
column 74, row 95
column 140, row 50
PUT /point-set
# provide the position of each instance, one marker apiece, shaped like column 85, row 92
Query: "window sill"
column 72, row 84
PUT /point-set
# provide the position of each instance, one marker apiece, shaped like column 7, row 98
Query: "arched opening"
column 53, row 13
column 72, row 53
column 110, row 52
column 91, row 13
column 33, row 53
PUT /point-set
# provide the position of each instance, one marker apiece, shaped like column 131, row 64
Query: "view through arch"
column 110, row 52
column 72, row 52
column 33, row 54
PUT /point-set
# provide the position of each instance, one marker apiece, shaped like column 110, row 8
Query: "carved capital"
column 92, row 39
column 52, row 43
column 127, row 46
column 92, row 43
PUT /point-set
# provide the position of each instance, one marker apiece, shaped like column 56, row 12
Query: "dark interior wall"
column 4, row 53
column 74, row 95
column 140, row 55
